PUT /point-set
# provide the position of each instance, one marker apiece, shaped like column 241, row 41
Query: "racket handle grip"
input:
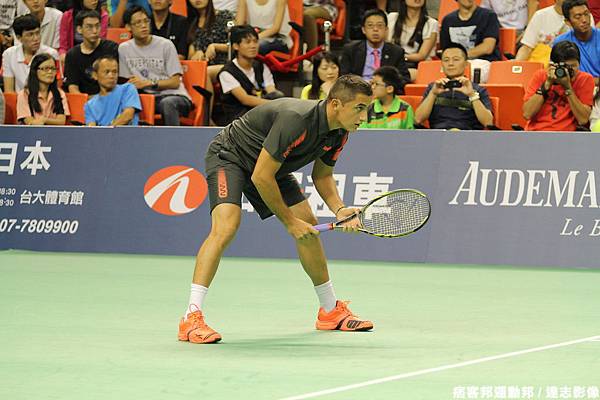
column 323, row 227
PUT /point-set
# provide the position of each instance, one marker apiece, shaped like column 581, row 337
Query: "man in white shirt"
column 49, row 21
column 16, row 59
column 151, row 64
column 545, row 25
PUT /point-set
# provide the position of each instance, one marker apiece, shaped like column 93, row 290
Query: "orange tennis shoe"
column 194, row 329
column 341, row 318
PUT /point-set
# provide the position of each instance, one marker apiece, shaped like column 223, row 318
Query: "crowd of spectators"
column 53, row 48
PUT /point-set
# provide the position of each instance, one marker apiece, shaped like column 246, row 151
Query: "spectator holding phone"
column 454, row 102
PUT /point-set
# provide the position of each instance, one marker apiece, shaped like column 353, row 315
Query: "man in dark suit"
column 363, row 57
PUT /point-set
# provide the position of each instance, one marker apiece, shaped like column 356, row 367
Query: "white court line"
column 437, row 369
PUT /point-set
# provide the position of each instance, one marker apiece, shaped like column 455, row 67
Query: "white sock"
column 197, row 294
column 326, row 296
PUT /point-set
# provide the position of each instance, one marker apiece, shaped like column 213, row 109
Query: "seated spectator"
column 80, row 59
column 512, row 14
column 388, row 110
column 9, row 10
column 477, row 30
column 414, row 30
column 16, row 59
column 69, row 35
column 226, row 5
column 49, row 21
column 595, row 116
column 454, row 102
column 207, row 34
column 272, row 18
column 363, row 57
column 117, row 8
column 42, row 102
column 545, row 25
column 245, row 81
column 2, row 107
column 115, row 104
column 326, row 69
column 170, row 26
column 314, row 9
column 151, row 64
column 584, row 35
column 559, row 101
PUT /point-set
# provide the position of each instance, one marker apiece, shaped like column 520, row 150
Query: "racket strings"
column 398, row 214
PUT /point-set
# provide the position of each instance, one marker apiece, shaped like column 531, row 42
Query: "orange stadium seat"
column 414, row 102
column 507, row 81
column 179, row 7
column 118, row 35
column 496, row 110
column 10, row 104
column 545, row 3
column 507, row 42
column 339, row 25
column 148, row 109
column 194, row 80
column 76, row 106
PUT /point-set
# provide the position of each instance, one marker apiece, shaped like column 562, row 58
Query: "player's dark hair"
column 391, row 77
column 456, row 46
column 563, row 51
column 316, row 83
column 96, row 64
column 81, row 15
column 374, row 11
column 33, row 86
column 132, row 10
column 569, row 4
column 241, row 32
column 346, row 87
column 25, row 23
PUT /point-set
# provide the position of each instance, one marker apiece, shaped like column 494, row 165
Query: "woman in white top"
column 272, row 18
column 413, row 29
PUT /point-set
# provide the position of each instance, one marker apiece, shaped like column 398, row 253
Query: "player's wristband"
column 338, row 210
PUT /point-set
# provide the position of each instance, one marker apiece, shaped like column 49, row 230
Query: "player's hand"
column 301, row 230
column 439, row 86
column 352, row 225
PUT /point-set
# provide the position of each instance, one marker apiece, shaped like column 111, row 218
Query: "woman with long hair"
column 413, row 29
column 42, row 102
column 326, row 69
column 69, row 37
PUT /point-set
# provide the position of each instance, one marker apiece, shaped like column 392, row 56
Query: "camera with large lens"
column 563, row 70
column 453, row 84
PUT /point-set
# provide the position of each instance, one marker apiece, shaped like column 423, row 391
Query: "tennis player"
column 255, row 155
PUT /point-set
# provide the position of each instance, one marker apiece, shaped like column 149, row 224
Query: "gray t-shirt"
column 158, row 60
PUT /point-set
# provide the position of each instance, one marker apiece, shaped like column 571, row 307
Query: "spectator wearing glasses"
column 559, row 98
column 69, row 35
column 42, row 102
column 388, row 110
column 16, row 59
column 363, row 57
column 151, row 64
column 49, row 21
column 79, row 60
column 584, row 35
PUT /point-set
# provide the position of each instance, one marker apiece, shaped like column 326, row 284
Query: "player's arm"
column 322, row 176
column 263, row 178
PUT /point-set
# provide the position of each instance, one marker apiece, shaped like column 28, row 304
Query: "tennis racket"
column 393, row 214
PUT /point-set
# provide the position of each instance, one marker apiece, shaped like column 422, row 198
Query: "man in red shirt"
column 559, row 98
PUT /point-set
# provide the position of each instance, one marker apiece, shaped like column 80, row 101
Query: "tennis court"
column 90, row 326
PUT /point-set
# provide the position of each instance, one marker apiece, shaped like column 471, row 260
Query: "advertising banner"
column 497, row 198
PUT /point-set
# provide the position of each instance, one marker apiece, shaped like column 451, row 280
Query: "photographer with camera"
column 454, row 102
column 560, row 97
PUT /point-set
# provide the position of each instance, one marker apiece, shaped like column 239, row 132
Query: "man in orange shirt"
column 560, row 97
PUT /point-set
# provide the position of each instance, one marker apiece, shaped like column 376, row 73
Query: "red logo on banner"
column 175, row 190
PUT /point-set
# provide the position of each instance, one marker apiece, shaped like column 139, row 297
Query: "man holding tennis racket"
column 255, row 155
